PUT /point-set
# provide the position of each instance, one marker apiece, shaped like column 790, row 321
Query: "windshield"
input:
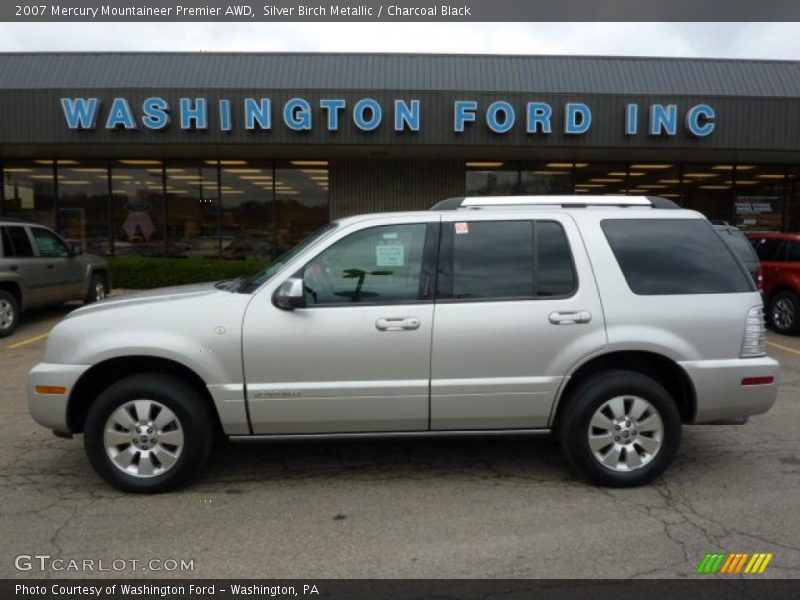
column 248, row 285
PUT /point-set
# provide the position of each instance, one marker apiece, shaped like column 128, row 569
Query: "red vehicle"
column 780, row 261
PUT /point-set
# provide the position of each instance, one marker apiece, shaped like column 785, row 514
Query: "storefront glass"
column 492, row 179
column 546, row 178
column 192, row 209
column 709, row 189
column 655, row 179
column 248, row 217
column 29, row 191
column 83, row 205
column 760, row 197
column 600, row 178
column 301, row 194
column 138, row 207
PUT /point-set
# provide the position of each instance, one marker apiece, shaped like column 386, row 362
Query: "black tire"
column 192, row 412
column 9, row 313
column 588, row 398
column 784, row 313
column 93, row 293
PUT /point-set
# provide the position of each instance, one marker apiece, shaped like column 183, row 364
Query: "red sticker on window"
column 462, row 228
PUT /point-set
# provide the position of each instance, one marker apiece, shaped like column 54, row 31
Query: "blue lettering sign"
column 464, row 113
column 406, row 117
column 631, row 119
column 577, row 118
column 364, row 107
column 700, row 120
column 539, row 114
column 194, row 116
column 663, row 119
column 80, row 113
column 155, row 115
column 332, row 106
column 225, row 115
column 257, row 112
column 297, row 114
column 120, row 114
column 497, row 123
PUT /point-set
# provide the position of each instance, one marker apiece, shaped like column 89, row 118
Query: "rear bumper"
column 719, row 390
column 50, row 410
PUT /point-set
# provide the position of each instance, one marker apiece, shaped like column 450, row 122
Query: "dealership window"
column 138, row 207
column 83, row 205
column 192, row 209
column 29, row 190
column 709, row 189
column 600, row 178
column 792, row 207
column 301, row 200
column 655, row 179
column 485, row 178
column 248, row 211
column 546, row 178
column 760, row 197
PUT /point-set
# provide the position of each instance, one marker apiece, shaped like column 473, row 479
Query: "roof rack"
column 563, row 201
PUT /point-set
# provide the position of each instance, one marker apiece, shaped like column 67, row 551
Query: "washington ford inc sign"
column 367, row 114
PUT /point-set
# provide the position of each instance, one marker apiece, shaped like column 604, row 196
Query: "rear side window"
column 674, row 256
column 16, row 242
column 511, row 260
column 740, row 244
column 768, row 248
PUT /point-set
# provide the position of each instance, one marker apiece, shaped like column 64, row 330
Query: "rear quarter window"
column 674, row 256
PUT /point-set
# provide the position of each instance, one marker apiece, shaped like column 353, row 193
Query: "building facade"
column 240, row 156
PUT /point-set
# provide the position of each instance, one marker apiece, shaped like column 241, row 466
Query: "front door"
column 357, row 358
column 62, row 273
column 516, row 307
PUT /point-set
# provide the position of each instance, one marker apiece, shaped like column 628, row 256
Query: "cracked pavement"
column 492, row 508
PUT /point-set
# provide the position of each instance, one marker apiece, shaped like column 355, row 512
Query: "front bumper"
column 719, row 390
column 50, row 410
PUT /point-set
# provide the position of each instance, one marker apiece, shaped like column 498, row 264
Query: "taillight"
column 760, row 279
column 754, row 342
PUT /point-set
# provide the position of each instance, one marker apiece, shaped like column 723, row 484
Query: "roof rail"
column 563, row 201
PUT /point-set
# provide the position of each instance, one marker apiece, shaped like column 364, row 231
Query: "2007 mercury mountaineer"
column 609, row 320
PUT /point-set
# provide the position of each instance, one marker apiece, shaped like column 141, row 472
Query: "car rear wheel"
column 148, row 433
column 9, row 313
column 620, row 429
column 784, row 313
column 98, row 288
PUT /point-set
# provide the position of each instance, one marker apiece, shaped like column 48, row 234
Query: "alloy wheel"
column 625, row 433
column 783, row 314
column 6, row 314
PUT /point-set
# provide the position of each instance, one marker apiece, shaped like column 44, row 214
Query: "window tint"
column 793, row 251
column 48, row 243
column 740, row 244
column 675, row 256
column 504, row 260
column 767, row 248
column 16, row 242
column 377, row 265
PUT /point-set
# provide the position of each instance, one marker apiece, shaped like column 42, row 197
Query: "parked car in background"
column 740, row 244
column 38, row 268
column 611, row 321
column 780, row 262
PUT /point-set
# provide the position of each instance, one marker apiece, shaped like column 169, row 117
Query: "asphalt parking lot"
column 479, row 508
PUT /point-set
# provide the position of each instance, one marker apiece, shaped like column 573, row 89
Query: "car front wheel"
column 620, row 429
column 784, row 313
column 148, row 433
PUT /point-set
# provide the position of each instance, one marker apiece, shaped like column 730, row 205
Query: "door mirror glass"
column 290, row 294
column 75, row 250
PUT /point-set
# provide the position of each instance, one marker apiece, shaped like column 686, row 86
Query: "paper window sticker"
column 462, row 228
column 390, row 255
column 390, row 235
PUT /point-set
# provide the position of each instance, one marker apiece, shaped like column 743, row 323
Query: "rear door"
column 516, row 308
column 63, row 273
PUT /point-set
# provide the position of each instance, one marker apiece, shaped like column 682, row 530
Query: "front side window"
column 793, row 251
column 674, row 256
column 380, row 265
column 49, row 244
column 16, row 242
column 505, row 260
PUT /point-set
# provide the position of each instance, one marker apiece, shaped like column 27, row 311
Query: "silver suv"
column 610, row 321
column 38, row 268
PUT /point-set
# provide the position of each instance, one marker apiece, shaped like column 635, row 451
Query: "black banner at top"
column 397, row 11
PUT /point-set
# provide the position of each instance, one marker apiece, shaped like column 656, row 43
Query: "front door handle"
column 13, row 268
column 397, row 324
column 570, row 317
column 49, row 266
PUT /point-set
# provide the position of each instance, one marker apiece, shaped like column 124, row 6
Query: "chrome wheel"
column 143, row 438
column 625, row 433
column 783, row 313
column 7, row 314
column 99, row 289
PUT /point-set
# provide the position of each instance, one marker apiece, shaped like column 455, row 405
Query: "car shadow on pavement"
column 31, row 321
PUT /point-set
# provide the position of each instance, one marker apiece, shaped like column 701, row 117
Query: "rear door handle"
column 397, row 324
column 570, row 317
column 13, row 268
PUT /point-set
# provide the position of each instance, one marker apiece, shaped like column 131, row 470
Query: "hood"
column 166, row 294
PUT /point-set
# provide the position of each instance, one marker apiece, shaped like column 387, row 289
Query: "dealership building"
column 241, row 155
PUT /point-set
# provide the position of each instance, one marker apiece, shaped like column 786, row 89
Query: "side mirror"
column 290, row 294
column 75, row 250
